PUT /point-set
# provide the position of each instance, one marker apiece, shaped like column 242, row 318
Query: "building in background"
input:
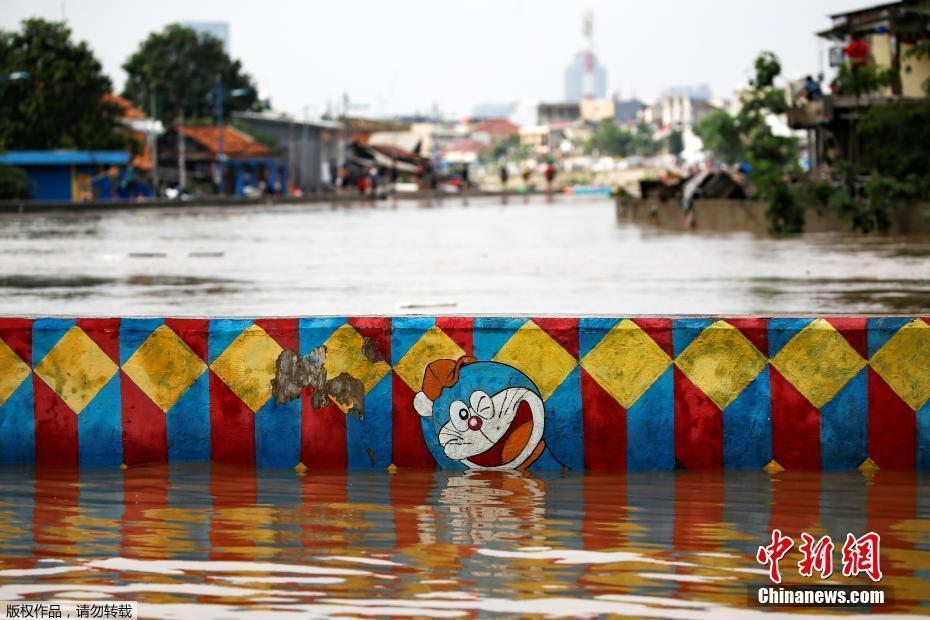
column 313, row 149
column 219, row 30
column 246, row 164
column 585, row 78
column 575, row 79
column 888, row 31
column 558, row 112
column 76, row 176
column 700, row 92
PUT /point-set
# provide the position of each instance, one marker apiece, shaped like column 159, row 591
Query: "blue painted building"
column 77, row 175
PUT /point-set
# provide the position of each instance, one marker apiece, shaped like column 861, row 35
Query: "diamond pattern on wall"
column 13, row 371
column 904, row 363
column 76, row 369
column 721, row 362
column 626, row 362
column 535, row 353
column 247, row 366
column 432, row 345
column 164, row 367
column 818, row 361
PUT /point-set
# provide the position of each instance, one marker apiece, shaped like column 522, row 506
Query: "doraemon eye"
column 482, row 405
column 458, row 414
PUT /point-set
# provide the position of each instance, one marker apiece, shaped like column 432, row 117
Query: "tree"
column 60, row 104
column 611, row 140
column 773, row 159
column 180, row 66
column 14, row 183
column 721, row 134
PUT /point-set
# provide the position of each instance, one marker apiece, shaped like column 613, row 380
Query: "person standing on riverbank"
column 550, row 176
column 505, row 175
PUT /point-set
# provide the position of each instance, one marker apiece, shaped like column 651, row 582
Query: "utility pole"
column 153, row 137
column 306, row 162
column 345, row 128
column 182, row 152
column 218, row 106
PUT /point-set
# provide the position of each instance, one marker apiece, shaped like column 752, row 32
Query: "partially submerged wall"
column 722, row 215
column 453, row 392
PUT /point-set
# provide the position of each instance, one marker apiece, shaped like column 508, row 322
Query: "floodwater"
column 206, row 541
column 531, row 257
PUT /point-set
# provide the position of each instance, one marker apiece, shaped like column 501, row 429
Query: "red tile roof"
column 496, row 127
column 125, row 106
column 235, row 143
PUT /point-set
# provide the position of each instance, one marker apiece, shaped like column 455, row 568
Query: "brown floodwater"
column 201, row 541
column 523, row 257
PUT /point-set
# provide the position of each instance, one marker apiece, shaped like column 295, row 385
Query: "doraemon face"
column 488, row 416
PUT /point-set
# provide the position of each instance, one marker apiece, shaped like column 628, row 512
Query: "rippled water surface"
column 207, row 541
column 524, row 257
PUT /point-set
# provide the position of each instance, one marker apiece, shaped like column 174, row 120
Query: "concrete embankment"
column 721, row 215
column 454, row 392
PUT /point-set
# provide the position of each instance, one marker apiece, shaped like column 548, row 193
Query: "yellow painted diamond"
column 904, row 363
column 432, row 345
column 721, row 362
column 247, row 366
column 626, row 362
column 76, row 369
column 534, row 352
column 818, row 361
column 344, row 353
column 13, row 371
column 164, row 367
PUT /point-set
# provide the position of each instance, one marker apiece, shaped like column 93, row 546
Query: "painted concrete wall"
column 456, row 392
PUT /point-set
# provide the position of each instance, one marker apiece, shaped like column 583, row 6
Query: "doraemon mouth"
column 486, row 415
column 493, row 432
column 511, row 442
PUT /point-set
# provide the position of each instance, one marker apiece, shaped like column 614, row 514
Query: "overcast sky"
column 401, row 56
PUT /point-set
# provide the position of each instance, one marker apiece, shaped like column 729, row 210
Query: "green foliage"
column 610, row 139
column 869, row 209
column 767, row 68
column 773, row 159
column 895, row 139
column 181, row 66
column 14, row 183
column 60, row 104
column 721, row 134
column 508, row 148
column 865, row 79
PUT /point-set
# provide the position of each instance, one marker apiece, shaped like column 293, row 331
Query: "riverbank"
column 40, row 206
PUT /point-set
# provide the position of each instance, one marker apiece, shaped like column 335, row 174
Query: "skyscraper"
column 585, row 78
column 575, row 78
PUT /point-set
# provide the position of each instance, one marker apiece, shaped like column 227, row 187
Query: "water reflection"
column 430, row 543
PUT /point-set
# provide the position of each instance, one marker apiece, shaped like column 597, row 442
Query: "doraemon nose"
column 474, row 423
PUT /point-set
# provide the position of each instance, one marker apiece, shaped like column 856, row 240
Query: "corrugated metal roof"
column 64, row 158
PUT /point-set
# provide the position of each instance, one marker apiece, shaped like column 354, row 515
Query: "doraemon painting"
column 484, row 415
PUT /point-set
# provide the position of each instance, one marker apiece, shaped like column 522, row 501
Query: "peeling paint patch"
column 294, row 373
column 349, row 392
